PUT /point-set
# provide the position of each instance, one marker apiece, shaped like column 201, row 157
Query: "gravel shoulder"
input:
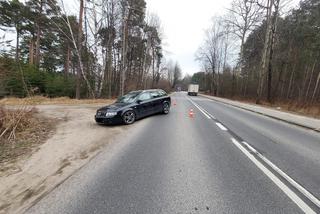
column 76, row 140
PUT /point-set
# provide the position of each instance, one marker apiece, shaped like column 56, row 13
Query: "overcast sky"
column 183, row 23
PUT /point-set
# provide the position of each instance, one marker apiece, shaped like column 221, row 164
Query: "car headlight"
column 111, row 114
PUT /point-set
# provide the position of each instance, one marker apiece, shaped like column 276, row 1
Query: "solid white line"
column 209, row 114
column 198, row 107
column 301, row 204
column 205, row 111
column 221, row 127
column 287, row 177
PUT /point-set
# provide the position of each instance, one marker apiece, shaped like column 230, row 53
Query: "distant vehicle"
column 134, row 105
column 193, row 89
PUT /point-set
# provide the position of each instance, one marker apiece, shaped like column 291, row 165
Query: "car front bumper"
column 107, row 120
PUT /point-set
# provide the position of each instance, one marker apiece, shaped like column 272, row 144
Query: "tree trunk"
column 37, row 56
column 272, row 41
column 269, row 96
column 31, row 51
column 233, row 83
column 124, row 52
column 17, row 45
column 310, row 80
column 315, row 88
column 290, row 82
column 279, row 80
column 301, row 97
column 109, row 66
column 265, row 53
column 67, row 62
column 78, row 84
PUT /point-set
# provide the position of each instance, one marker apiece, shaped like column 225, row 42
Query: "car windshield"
column 128, row 98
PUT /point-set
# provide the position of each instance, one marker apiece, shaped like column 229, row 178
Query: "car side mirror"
column 139, row 101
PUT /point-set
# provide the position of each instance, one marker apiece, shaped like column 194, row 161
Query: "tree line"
column 263, row 51
column 108, row 48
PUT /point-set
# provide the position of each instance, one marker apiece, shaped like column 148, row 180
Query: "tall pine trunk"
column 17, row 45
column 78, row 84
column 38, row 36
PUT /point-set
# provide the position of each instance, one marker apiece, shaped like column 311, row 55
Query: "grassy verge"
column 40, row 100
column 289, row 106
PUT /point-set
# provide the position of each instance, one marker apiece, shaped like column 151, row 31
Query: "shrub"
column 13, row 121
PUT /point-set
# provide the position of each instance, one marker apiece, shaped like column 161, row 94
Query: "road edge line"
column 293, row 196
column 200, row 109
column 301, row 189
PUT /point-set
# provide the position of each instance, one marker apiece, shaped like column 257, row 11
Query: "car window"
column 155, row 94
column 163, row 93
column 128, row 98
column 145, row 96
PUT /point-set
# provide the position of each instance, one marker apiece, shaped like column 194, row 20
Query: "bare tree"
column 76, row 43
column 243, row 17
column 212, row 54
column 272, row 12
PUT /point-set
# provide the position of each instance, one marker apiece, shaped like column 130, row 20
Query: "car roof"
column 147, row 90
column 151, row 90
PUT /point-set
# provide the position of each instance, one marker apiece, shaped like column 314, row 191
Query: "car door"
column 145, row 104
column 156, row 101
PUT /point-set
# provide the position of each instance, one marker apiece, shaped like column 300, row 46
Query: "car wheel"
column 166, row 108
column 129, row 117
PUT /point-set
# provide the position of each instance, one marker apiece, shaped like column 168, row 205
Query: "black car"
column 134, row 105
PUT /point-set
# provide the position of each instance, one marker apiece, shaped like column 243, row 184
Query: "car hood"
column 113, row 107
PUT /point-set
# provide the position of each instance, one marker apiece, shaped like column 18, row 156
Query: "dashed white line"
column 293, row 196
column 221, row 127
column 285, row 176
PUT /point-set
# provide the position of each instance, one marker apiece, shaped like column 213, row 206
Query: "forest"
column 109, row 48
column 263, row 51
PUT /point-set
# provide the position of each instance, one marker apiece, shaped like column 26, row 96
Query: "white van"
column 193, row 89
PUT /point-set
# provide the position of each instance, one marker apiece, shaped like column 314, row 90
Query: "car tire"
column 165, row 108
column 129, row 117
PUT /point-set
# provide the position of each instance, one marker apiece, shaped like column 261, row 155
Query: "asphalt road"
column 221, row 160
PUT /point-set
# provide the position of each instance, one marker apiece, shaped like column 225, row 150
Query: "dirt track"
column 77, row 139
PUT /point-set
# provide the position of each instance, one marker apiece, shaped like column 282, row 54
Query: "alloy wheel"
column 166, row 108
column 129, row 117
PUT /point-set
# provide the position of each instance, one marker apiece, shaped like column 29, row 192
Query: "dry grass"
column 288, row 106
column 40, row 100
column 20, row 131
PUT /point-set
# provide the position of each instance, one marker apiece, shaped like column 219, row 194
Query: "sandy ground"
column 77, row 139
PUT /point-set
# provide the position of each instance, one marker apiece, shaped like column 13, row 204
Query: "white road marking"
column 285, row 176
column 221, row 127
column 200, row 109
column 209, row 114
column 301, row 204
